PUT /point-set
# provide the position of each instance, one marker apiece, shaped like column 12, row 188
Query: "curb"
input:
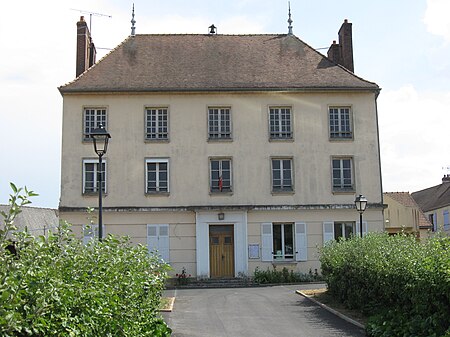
column 337, row 313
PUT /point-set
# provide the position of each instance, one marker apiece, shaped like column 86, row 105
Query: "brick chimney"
column 86, row 52
column 342, row 53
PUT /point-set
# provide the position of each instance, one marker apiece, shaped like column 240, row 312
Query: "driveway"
column 250, row 312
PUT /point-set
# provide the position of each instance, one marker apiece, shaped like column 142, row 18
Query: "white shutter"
column 266, row 242
column 163, row 242
column 158, row 240
column 301, row 242
column 90, row 232
column 328, row 231
column 358, row 227
column 152, row 238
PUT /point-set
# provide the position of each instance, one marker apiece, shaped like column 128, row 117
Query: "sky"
column 402, row 45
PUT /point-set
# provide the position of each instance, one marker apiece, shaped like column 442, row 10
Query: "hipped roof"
column 434, row 197
column 155, row 63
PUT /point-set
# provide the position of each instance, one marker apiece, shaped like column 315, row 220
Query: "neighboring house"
column 403, row 215
column 435, row 203
column 228, row 152
column 38, row 221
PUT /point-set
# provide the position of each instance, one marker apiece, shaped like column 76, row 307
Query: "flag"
column 220, row 183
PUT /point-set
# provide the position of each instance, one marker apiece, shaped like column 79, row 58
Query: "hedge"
column 402, row 285
column 56, row 286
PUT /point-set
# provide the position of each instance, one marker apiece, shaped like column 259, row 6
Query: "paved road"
column 250, row 312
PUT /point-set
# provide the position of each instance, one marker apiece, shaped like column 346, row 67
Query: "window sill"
column 219, row 140
column 218, row 194
column 352, row 191
column 283, row 192
column 341, row 139
column 157, row 194
column 150, row 140
column 280, row 262
column 94, row 194
column 275, row 140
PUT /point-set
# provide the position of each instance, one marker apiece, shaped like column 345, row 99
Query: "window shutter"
column 266, row 242
column 328, row 231
column 301, row 242
column 358, row 226
column 163, row 243
column 90, row 232
column 152, row 238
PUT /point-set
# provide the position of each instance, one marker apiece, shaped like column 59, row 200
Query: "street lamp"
column 100, row 137
column 360, row 203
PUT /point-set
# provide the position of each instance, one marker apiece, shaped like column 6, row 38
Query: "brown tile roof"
column 433, row 197
column 147, row 63
column 403, row 198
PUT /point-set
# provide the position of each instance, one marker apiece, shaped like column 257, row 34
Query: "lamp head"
column 100, row 137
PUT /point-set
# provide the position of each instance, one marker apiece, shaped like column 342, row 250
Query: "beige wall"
column 189, row 150
column 438, row 214
column 400, row 218
column 183, row 236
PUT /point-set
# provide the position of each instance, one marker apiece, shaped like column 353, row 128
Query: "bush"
column 404, row 285
column 56, row 286
column 283, row 276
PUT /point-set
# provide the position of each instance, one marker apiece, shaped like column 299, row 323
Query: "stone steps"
column 211, row 283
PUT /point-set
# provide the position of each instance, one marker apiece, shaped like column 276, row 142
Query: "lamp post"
column 100, row 138
column 360, row 203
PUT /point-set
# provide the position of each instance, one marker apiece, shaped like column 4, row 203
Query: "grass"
column 166, row 304
column 322, row 296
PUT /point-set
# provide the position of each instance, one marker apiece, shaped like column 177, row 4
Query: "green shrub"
column 403, row 284
column 284, row 276
column 56, row 286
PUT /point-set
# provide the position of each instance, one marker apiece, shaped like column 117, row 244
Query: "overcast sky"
column 402, row 45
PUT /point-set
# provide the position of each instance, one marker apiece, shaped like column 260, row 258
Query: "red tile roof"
column 147, row 63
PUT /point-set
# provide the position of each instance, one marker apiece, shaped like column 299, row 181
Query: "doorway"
column 221, row 251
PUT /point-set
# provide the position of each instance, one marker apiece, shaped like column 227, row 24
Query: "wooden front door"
column 221, row 251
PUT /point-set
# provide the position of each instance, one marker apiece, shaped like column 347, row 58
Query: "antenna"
column 90, row 16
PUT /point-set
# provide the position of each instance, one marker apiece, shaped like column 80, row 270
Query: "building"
column 435, row 203
column 37, row 221
column 228, row 152
column 403, row 215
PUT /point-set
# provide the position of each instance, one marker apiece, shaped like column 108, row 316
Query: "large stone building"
column 228, row 152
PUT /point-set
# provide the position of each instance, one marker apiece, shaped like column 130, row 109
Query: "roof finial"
column 133, row 21
column 290, row 20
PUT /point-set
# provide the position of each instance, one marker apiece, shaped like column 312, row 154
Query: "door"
column 221, row 251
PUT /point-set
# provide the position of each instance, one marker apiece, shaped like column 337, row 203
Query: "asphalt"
column 251, row 312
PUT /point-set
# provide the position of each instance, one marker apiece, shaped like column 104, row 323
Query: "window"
column 342, row 229
column 157, row 176
column 93, row 118
column 284, row 241
column 90, row 232
column 340, row 123
column 280, row 123
column 90, row 176
column 282, row 175
column 342, row 174
column 156, row 124
column 158, row 240
column 219, row 123
column 220, row 175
